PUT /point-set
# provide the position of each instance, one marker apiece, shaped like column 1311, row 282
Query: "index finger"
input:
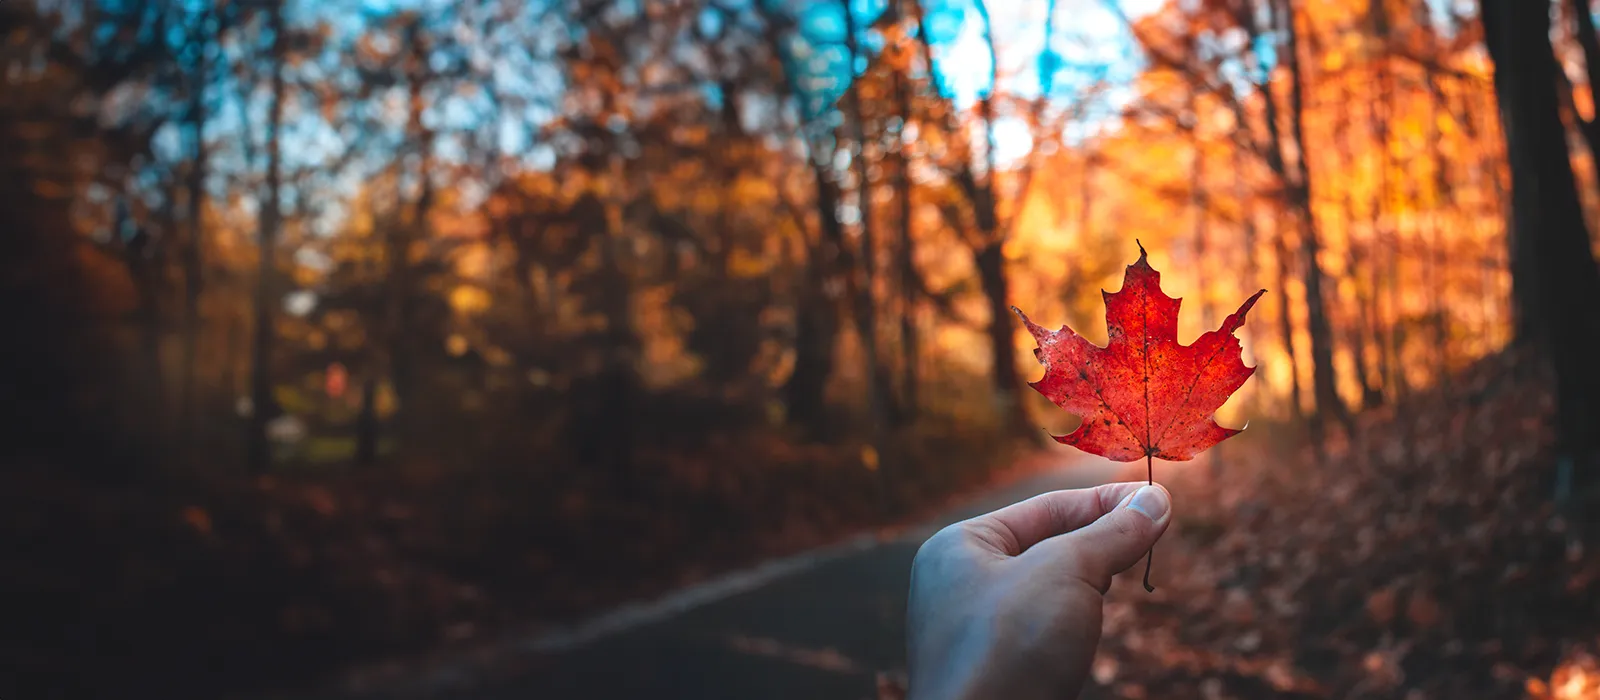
column 1021, row 525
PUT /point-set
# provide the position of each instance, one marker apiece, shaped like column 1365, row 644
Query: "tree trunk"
column 988, row 257
column 1434, row 274
column 1584, row 32
column 194, row 247
column 1383, row 255
column 620, row 384
column 1199, row 230
column 1362, row 333
column 1198, row 208
column 1324, row 383
column 411, row 227
column 865, row 305
column 816, row 311
column 1280, row 250
column 1247, row 225
column 906, row 262
column 816, row 332
column 1296, row 198
column 604, row 399
column 1002, row 345
column 147, row 266
column 367, row 422
column 1356, row 329
column 262, row 403
column 233, row 348
column 816, row 319
column 1555, row 278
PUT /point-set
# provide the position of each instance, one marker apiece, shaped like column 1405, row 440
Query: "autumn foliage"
column 1422, row 559
column 1144, row 394
column 359, row 329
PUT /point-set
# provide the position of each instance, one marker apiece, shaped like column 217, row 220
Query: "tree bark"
column 1584, row 31
column 816, row 311
column 262, row 403
column 1361, row 330
column 817, row 318
column 865, row 304
column 194, row 247
column 1199, row 230
column 1280, row 249
column 1002, row 346
column 414, row 225
column 906, row 259
column 367, row 422
column 1434, row 273
column 1323, row 380
column 620, row 384
column 147, row 265
column 1356, row 329
column 1555, row 278
column 988, row 257
column 1381, row 258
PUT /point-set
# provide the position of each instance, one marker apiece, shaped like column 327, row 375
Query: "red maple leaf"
column 1143, row 395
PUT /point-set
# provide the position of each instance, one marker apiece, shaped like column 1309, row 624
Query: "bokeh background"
column 344, row 331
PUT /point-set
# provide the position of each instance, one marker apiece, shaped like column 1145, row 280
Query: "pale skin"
column 1009, row 604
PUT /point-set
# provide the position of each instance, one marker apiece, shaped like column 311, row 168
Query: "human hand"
column 1008, row 605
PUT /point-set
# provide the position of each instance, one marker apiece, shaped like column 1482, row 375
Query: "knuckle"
column 985, row 531
column 939, row 542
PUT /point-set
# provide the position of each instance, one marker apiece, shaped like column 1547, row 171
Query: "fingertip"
column 1152, row 501
column 1117, row 540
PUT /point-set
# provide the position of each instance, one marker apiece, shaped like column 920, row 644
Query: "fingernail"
column 1151, row 501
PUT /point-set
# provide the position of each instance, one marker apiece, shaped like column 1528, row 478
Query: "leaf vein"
column 1190, row 394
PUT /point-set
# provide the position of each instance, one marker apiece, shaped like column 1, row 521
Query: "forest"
column 343, row 331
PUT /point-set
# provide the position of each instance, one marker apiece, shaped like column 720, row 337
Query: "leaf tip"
column 1026, row 322
column 1142, row 254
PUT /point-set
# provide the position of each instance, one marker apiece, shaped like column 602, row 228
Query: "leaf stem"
column 1150, row 557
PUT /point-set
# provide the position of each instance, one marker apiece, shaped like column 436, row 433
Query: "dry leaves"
column 1421, row 557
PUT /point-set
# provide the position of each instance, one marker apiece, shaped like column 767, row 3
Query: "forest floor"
column 1421, row 558
column 188, row 586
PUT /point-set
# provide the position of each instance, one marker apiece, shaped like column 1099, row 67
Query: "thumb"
column 1115, row 541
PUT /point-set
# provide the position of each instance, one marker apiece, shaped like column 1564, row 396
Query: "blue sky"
column 1084, row 33
column 1088, row 39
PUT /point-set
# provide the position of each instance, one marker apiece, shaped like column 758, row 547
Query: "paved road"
column 814, row 627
